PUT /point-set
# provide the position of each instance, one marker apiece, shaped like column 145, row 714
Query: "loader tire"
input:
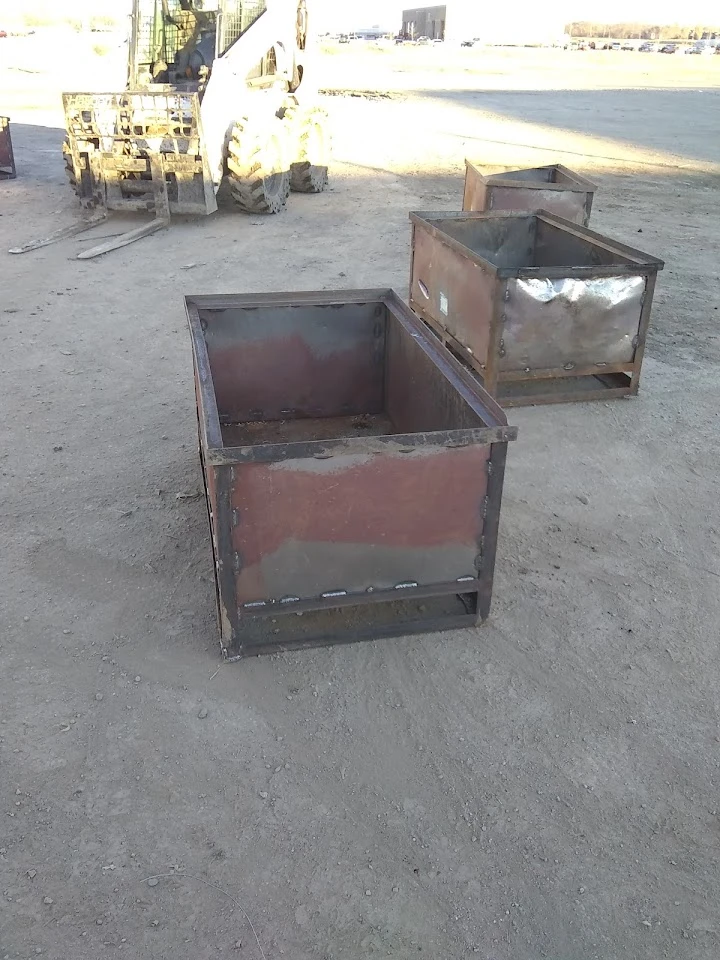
column 309, row 174
column 259, row 166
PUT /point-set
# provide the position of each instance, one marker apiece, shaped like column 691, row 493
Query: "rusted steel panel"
column 7, row 157
column 567, row 203
column 314, row 513
column 454, row 291
column 523, row 298
column 358, row 523
column 327, row 368
column 553, row 188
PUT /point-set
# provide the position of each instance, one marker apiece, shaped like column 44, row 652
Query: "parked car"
column 3, row 34
column 467, row 43
column 615, row 46
column 646, row 48
column 438, row 40
column 668, row 48
column 628, row 45
column 423, row 41
column 701, row 47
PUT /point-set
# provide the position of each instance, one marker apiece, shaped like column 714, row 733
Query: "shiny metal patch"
column 571, row 323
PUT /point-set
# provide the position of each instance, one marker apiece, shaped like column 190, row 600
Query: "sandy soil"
column 544, row 787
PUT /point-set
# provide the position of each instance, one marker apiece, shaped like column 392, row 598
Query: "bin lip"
column 502, row 178
column 482, row 404
column 639, row 262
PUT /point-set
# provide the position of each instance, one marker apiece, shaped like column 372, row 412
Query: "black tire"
column 259, row 166
column 309, row 173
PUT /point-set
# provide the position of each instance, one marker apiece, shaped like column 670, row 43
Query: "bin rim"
column 579, row 183
column 639, row 262
column 496, row 429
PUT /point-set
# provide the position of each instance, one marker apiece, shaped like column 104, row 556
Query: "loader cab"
column 166, row 50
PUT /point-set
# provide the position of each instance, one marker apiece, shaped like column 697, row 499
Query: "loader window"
column 158, row 41
column 267, row 67
column 237, row 17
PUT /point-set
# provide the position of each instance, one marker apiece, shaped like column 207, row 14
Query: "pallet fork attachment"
column 134, row 152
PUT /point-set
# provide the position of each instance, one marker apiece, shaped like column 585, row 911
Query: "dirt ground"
column 543, row 787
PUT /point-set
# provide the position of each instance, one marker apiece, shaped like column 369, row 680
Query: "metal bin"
column 553, row 188
column 543, row 310
column 353, row 470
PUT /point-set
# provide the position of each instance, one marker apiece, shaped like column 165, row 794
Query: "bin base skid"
column 372, row 618
column 598, row 384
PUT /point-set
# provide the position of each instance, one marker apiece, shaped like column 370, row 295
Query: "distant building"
column 512, row 23
column 424, row 22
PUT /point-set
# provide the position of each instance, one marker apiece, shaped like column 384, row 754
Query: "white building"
column 514, row 23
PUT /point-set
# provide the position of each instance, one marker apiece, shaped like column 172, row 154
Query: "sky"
column 349, row 14
column 339, row 14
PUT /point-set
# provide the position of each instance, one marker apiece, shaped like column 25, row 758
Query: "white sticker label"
column 443, row 304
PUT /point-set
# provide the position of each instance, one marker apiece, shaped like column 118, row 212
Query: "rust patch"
column 430, row 498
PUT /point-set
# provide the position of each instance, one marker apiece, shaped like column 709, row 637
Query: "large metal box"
column 553, row 188
column 353, row 470
column 543, row 310
column 7, row 158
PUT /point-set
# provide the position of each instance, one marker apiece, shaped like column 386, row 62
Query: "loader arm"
column 233, row 92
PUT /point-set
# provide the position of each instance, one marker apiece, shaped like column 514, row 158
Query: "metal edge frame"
column 324, row 449
column 491, row 373
column 404, row 628
column 560, row 373
column 210, row 420
column 500, row 181
column 540, row 400
column 224, row 301
column 491, row 528
column 588, row 185
column 642, row 333
column 638, row 257
column 280, row 608
column 230, row 618
column 642, row 263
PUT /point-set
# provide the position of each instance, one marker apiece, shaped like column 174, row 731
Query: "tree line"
column 642, row 31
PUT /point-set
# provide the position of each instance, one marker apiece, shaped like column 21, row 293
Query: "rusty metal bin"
column 553, row 188
column 543, row 310
column 7, row 158
column 353, row 470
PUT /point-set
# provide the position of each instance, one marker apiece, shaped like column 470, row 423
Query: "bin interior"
column 549, row 174
column 517, row 242
column 318, row 372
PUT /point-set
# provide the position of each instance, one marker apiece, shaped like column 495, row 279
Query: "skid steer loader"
column 216, row 90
